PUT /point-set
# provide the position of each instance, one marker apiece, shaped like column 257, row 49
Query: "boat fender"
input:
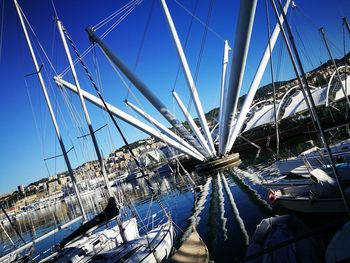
column 271, row 195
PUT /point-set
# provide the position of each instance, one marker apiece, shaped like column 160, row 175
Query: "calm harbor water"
column 230, row 206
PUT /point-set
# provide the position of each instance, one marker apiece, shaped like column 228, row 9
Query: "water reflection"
column 228, row 207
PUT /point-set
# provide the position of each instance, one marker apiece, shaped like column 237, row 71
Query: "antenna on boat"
column 53, row 118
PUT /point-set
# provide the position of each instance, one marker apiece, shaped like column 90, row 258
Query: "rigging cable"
column 98, row 26
column 272, row 78
column 186, row 41
column 2, row 26
column 114, row 121
column 113, row 15
column 200, row 55
column 116, row 23
column 138, row 55
column 200, row 21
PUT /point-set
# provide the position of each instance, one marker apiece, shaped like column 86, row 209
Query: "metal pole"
column 53, row 118
column 346, row 23
column 129, row 119
column 192, row 124
column 145, row 91
column 240, row 51
column 189, row 78
column 83, row 105
column 161, row 127
column 223, row 83
column 3, row 228
column 294, row 65
column 313, row 107
column 273, row 81
column 255, row 83
column 334, row 64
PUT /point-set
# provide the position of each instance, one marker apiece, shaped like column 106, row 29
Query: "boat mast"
column 53, row 118
column 255, row 83
column 192, row 124
column 240, row 51
column 129, row 119
column 346, row 23
column 152, row 98
column 312, row 103
column 273, row 81
column 334, row 64
column 189, row 79
column 83, row 105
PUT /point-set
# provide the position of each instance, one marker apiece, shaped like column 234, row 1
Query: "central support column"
column 240, row 52
column 255, row 84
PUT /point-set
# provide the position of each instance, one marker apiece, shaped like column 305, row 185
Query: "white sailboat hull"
column 315, row 157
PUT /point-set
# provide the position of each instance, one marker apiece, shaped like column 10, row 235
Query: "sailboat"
column 104, row 237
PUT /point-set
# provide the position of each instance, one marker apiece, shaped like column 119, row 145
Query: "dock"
column 193, row 250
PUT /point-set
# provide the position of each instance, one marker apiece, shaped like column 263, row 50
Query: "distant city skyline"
column 27, row 134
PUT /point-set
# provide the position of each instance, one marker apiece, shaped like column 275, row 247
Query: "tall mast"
column 312, row 103
column 273, row 81
column 334, row 64
column 53, row 118
column 189, row 79
column 83, row 105
column 255, row 83
column 346, row 23
column 151, row 97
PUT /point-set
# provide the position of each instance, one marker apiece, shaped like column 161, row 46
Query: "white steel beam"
column 146, row 91
column 161, row 127
column 129, row 119
column 223, row 90
column 240, row 52
column 193, row 125
column 235, row 130
column 189, row 79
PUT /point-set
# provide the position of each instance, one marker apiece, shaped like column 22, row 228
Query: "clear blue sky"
column 27, row 135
